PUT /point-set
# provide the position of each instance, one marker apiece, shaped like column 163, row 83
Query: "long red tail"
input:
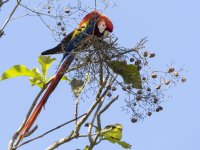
column 45, row 97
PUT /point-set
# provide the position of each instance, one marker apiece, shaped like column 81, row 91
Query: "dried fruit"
column 139, row 92
column 149, row 89
column 114, row 88
column 159, row 108
column 109, row 94
column 145, row 54
column 167, row 82
column 149, row 113
column 59, row 24
column 158, row 87
column 170, row 70
column 154, row 75
column 63, row 28
column 152, row 55
column 155, row 100
column 176, row 74
column 64, row 33
column 132, row 60
column 67, row 11
column 183, row 79
column 138, row 97
column 109, row 87
column 144, row 79
column 134, row 120
column 87, row 125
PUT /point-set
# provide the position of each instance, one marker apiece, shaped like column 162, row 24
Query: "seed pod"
column 48, row 12
column 59, row 24
column 138, row 97
column 64, row 33
column 183, row 79
column 152, row 55
column 134, row 120
column 114, row 88
column 149, row 89
column 170, row 70
column 109, row 94
column 158, row 87
column 159, row 108
column 132, row 60
column 139, row 92
column 145, row 54
column 149, row 113
column 63, row 28
column 176, row 74
column 144, row 79
column 154, row 75
column 167, row 82
column 87, row 125
column 109, row 87
column 155, row 100
column 67, row 11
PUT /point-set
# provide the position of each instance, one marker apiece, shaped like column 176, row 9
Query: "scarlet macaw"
column 93, row 23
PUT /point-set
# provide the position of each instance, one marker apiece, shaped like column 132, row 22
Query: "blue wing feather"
column 78, row 38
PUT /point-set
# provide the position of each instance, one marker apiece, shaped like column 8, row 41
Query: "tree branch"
column 11, row 14
column 42, row 135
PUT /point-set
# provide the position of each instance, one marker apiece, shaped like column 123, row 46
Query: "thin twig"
column 76, row 110
column 42, row 135
column 104, row 109
column 11, row 14
column 75, row 133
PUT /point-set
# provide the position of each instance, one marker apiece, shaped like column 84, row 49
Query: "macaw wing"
column 79, row 36
column 60, row 47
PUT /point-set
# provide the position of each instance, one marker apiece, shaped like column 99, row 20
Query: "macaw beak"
column 105, row 34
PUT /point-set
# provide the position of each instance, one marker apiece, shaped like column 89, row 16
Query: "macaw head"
column 103, row 24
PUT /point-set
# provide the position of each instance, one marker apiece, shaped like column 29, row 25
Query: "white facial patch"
column 102, row 26
column 106, row 33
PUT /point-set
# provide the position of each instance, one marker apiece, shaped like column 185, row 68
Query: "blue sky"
column 172, row 28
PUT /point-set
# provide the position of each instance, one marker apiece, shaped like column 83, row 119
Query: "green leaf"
column 45, row 62
column 38, row 80
column 113, row 133
column 124, row 144
column 65, row 78
column 18, row 70
column 128, row 72
column 86, row 147
column 78, row 85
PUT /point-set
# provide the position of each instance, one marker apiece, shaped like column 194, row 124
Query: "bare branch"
column 10, row 16
column 42, row 135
